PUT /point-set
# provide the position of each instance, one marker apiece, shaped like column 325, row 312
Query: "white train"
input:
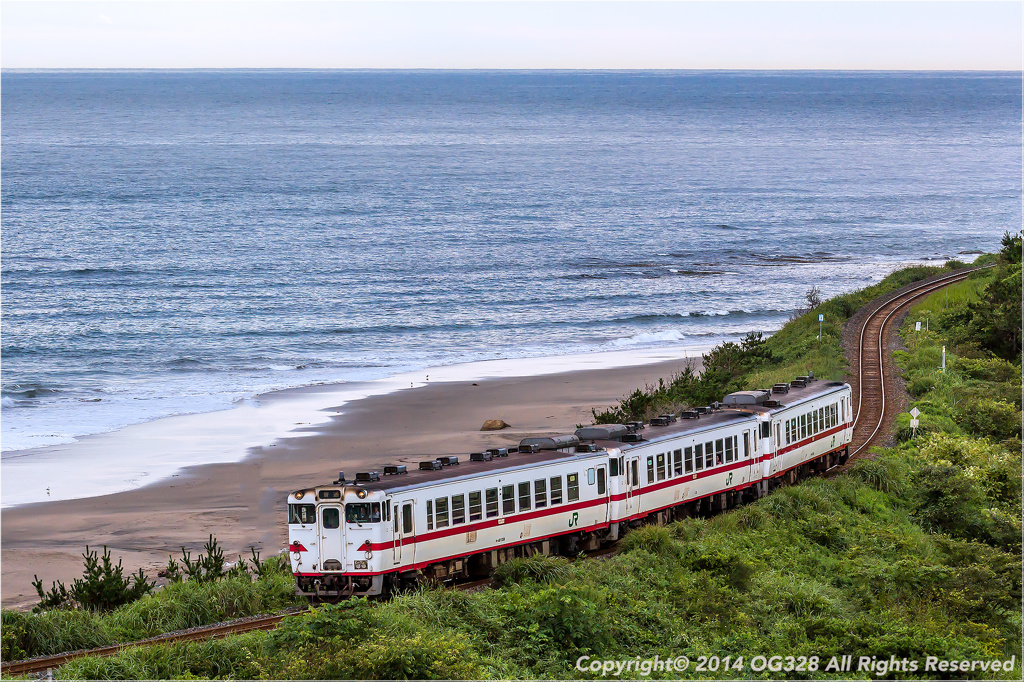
column 448, row 519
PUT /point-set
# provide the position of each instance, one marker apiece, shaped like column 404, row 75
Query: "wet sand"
column 243, row 503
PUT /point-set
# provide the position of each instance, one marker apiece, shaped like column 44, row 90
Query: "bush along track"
column 914, row 552
column 93, row 613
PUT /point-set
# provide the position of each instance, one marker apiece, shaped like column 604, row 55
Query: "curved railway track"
column 871, row 414
column 876, row 337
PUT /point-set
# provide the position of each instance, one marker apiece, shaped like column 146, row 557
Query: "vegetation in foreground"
column 915, row 552
column 103, row 607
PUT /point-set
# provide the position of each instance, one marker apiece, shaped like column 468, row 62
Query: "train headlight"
column 299, row 494
column 360, row 564
column 361, row 494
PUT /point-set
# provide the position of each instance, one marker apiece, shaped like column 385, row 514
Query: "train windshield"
column 362, row 512
column 301, row 513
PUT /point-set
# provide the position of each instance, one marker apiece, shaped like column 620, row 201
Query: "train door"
column 332, row 536
column 602, row 491
column 753, row 462
column 404, row 527
column 632, row 486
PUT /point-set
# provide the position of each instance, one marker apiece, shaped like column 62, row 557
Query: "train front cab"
column 339, row 541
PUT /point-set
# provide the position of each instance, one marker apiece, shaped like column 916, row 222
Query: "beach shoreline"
column 242, row 502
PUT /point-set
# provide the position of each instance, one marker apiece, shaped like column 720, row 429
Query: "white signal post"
column 914, row 413
column 821, row 318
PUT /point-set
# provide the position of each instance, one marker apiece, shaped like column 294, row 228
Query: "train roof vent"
column 799, row 382
column 602, row 432
column 364, row 476
column 690, row 414
column 635, row 426
column 587, row 447
column 551, row 442
column 632, row 438
column 395, row 469
column 746, row 398
column 498, row 452
column 432, row 465
column 772, row 403
column 659, row 421
column 480, row 456
column 834, row 383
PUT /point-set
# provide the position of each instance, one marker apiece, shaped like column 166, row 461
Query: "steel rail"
column 902, row 299
column 44, row 663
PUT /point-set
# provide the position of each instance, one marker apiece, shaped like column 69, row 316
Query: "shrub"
column 537, row 568
column 102, row 586
column 993, row 418
column 654, row 539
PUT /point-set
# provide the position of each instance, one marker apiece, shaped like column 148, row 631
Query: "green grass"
column 176, row 607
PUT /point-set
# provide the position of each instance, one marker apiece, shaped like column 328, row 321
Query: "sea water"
column 179, row 242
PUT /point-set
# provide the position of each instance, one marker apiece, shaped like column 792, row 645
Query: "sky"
column 512, row 35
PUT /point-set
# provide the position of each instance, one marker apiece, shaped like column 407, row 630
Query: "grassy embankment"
column 178, row 606
column 913, row 553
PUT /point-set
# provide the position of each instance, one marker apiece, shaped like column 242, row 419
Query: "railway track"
column 872, row 411
column 235, row 627
column 873, row 378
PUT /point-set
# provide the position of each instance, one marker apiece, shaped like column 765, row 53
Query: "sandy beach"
column 242, row 503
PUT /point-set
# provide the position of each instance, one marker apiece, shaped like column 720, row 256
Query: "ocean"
column 178, row 242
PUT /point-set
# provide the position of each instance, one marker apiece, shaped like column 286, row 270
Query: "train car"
column 559, row 494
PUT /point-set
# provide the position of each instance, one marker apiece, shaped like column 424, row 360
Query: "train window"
column 430, row 515
column 709, row 454
column 540, row 493
column 636, row 472
column 396, row 524
column 556, row 490
column 600, row 481
column 766, row 430
column 650, row 470
column 728, row 450
column 362, row 512
column 689, row 460
column 441, row 512
column 821, row 418
column 746, row 443
column 698, row 456
column 661, row 466
column 476, row 511
column 613, row 467
column 301, row 513
column 492, row 502
column 572, row 484
column 387, row 510
column 407, row 519
column 524, row 496
column 331, row 517
column 458, row 509
column 803, row 426
column 591, row 477
column 677, row 464
column 719, row 451
column 508, row 499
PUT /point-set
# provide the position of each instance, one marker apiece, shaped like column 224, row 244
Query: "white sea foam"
column 650, row 338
